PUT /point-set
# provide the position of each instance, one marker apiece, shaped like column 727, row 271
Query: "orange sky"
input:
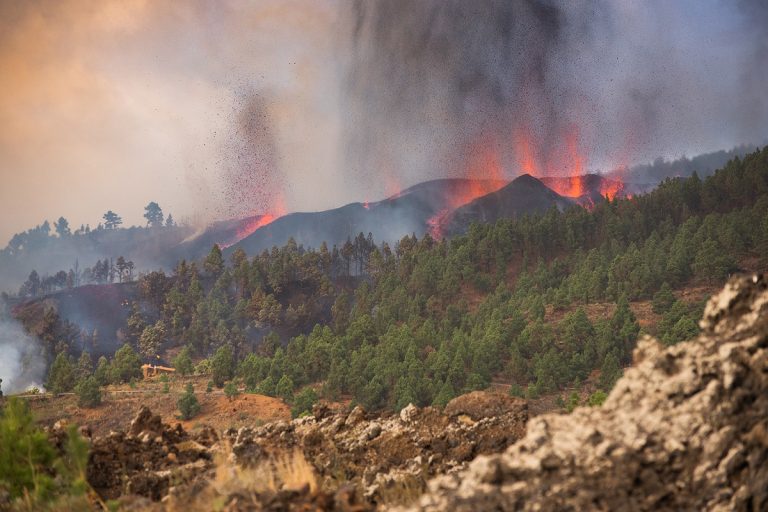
column 112, row 104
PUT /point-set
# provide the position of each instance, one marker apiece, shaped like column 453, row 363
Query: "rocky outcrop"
column 380, row 454
column 480, row 404
column 365, row 459
column 148, row 459
column 685, row 429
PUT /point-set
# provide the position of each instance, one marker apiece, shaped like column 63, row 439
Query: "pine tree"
column 663, row 299
column 610, row 372
column 214, row 262
column 183, row 362
column 445, row 395
column 303, row 402
column 88, row 392
column 151, row 339
column 61, row 376
column 102, row 371
column 125, row 366
column 284, row 388
column 222, row 366
column 84, row 366
column 231, row 391
column 188, row 405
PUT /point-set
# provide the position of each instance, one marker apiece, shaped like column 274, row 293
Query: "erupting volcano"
column 486, row 175
column 561, row 167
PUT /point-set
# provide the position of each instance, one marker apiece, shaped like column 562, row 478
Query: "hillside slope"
column 403, row 214
column 683, row 430
column 523, row 195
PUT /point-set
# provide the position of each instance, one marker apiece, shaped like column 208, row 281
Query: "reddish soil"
column 120, row 405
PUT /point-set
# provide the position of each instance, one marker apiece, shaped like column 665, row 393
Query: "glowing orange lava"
column 524, row 150
column 256, row 222
column 612, row 188
column 563, row 166
column 485, row 174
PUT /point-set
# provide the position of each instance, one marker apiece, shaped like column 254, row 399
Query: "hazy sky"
column 217, row 109
column 112, row 104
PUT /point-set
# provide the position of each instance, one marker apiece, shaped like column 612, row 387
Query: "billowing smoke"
column 539, row 81
column 22, row 364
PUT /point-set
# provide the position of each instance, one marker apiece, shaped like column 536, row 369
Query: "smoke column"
column 618, row 82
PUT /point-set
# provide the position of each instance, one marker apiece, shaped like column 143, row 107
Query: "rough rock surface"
column 374, row 453
column 359, row 457
column 148, row 459
column 685, row 429
column 479, row 404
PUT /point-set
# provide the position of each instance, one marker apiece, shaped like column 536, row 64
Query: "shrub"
column 88, row 392
column 573, row 401
column 30, row 469
column 597, row 398
column 203, row 367
column 231, row 391
column 303, row 402
column 517, row 390
column 188, row 404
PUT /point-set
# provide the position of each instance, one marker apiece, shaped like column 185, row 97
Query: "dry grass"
column 402, row 492
column 289, row 471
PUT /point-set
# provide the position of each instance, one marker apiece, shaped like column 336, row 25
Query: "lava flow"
column 252, row 224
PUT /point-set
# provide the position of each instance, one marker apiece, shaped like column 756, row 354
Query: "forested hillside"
column 426, row 320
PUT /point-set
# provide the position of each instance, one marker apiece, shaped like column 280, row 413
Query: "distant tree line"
column 104, row 271
column 38, row 237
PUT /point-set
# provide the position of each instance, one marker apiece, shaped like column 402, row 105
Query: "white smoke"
column 22, row 360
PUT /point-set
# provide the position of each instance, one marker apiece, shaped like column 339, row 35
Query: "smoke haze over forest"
column 227, row 109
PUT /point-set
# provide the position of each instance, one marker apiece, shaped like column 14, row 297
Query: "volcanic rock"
column 145, row 423
column 524, row 195
column 374, row 456
column 479, row 404
column 685, row 429
column 145, row 461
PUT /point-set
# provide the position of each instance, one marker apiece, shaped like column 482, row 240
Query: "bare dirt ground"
column 120, row 404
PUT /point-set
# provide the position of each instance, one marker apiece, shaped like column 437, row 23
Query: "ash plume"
column 626, row 82
column 251, row 168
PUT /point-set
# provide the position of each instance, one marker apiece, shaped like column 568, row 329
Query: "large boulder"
column 482, row 404
column 146, row 423
column 685, row 429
